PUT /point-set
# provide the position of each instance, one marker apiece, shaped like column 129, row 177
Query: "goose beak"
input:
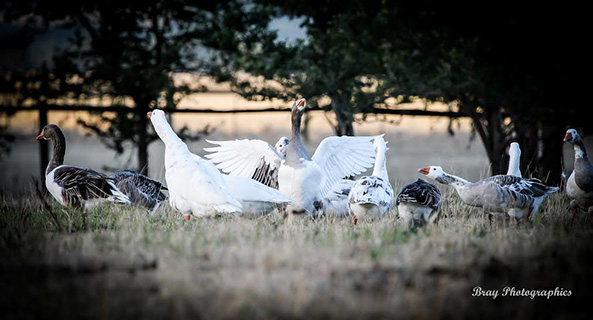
column 568, row 137
column 187, row 217
column 149, row 114
column 301, row 104
column 424, row 171
column 40, row 136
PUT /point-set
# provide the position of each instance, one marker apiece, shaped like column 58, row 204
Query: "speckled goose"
column 372, row 196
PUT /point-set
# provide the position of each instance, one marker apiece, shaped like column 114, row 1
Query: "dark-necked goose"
column 418, row 202
column 579, row 186
column 303, row 179
column 372, row 196
column 515, row 196
column 76, row 186
column 140, row 189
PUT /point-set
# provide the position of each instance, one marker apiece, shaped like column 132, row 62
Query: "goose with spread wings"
column 303, row 179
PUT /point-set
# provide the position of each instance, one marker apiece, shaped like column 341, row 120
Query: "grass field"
column 131, row 265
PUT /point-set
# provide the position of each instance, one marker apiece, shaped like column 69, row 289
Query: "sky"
column 16, row 52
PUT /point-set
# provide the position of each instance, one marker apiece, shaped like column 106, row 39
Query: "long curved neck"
column 579, row 150
column 452, row 180
column 166, row 133
column 514, row 167
column 295, row 149
column 59, row 146
column 380, row 169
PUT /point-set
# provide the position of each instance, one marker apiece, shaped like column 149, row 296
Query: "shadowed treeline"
column 510, row 67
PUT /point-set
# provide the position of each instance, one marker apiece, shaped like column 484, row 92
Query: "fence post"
column 43, row 144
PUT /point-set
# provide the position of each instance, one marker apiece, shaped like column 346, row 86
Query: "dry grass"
column 131, row 265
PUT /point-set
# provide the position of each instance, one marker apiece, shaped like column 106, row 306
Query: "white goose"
column 514, row 160
column 76, row 186
column 515, row 196
column 246, row 197
column 304, row 180
column 196, row 187
column 418, row 202
column 579, row 186
column 372, row 196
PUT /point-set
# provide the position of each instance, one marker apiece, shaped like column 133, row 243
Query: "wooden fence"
column 43, row 109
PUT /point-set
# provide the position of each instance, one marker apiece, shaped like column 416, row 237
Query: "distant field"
column 131, row 265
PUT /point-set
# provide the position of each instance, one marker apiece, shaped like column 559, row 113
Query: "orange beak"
column 424, row 171
column 149, row 114
column 301, row 104
column 40, row 136
column 187, row 217
column 568, row 137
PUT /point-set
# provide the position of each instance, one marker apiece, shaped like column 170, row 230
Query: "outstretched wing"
column 340, row 157
column 255, row 159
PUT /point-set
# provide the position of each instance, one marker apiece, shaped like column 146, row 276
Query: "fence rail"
column 43, row 109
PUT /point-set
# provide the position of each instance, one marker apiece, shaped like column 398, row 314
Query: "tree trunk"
column 550, row 165
column 497, row 142
column 341, row 107
column 142, row 142
column 489, row 127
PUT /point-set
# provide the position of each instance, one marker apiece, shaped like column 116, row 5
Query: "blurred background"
column 450, row 84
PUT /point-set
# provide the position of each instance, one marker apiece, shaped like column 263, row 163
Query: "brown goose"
column 76, row 186
column 579, row 186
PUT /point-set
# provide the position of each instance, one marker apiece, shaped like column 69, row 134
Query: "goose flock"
column 250, row 178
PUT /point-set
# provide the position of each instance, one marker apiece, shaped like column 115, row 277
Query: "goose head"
column 514, row 150
column 281, row 145
column 380, row 145
column 50, row 132
column 433, row 172
column 298, row 108
column 571, row 136
column 299, row 105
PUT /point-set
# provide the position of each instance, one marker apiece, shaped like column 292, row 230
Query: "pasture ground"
column 131, row 265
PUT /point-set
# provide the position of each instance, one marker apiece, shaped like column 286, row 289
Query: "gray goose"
column 515, row 196
column 579, row 186
column 418, row 202
column 72, row 186
column 140, row 189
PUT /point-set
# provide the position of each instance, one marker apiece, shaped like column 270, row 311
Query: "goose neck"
column 452, row 180
column 59, row 150
column 579, row 150
column 380, row 169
